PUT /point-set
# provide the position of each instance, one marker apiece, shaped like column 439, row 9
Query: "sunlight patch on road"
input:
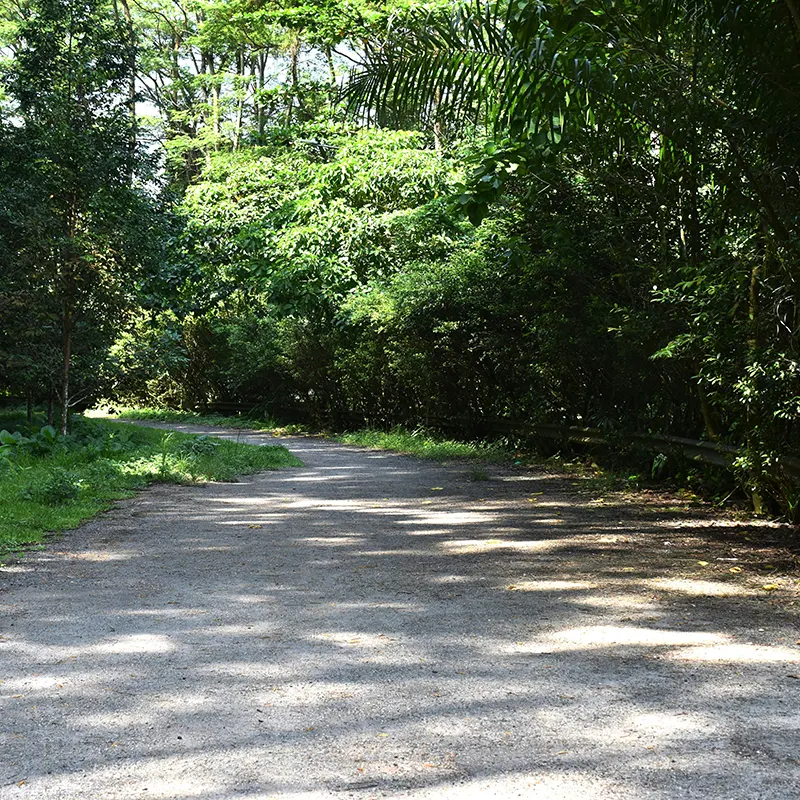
column 699, row 588
column 461, row 546
column 623, row 602
column 333, row 540
column 550, row 586
column 449, row 518
column 98, row 555
column 671, row 723
column 739, row 653
column 593, row 637
column 137, row 643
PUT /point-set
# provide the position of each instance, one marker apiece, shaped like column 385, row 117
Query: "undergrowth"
column 192, row 417
column 426, row 444
column 53, row 483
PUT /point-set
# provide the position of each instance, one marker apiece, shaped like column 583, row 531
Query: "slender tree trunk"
column 331, row 72
column 261, row 69
column 753, row 344
column 66, row 355
column 237, row 134
column 437, row 123
column 709, row 417
column 693, row 212
column 795, row 12
column 29, row 400
column 242, row 86
column 216, row 97
column 213, row 94
column 126, row 11
column 294, row 52
column 50, row 406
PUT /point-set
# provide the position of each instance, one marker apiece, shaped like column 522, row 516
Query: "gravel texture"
column 372, row 625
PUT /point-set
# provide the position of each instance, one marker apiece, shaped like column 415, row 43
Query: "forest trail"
column 372, row 625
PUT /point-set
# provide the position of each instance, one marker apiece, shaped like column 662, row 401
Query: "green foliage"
column 425, row 444
column 51, row 492
column 308, row 230
column 56, row 487
column 672, row 121
column 39, row 441
column 630, row 173
column 202, row 445
column 75, row 217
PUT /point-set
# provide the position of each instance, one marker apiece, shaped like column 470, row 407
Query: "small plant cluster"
column 56, row 487
column 39, row 441
column 185, row 458
column 21, row 451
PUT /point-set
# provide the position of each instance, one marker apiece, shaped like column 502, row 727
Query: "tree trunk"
column 242, row 87
column 437, row 123
column 753, row 343
column 795, row 12
column 132, row 79
column 261, row 68
column 294, row 51
column 66, row 352
column 331, row 73
column 709, row 417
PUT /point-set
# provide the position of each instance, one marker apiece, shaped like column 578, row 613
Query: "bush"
column 60, row 486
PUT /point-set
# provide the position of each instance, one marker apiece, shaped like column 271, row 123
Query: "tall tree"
column 71, row 211
column 680, row 106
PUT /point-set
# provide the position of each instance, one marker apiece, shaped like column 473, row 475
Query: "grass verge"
column 56, row 486
column 588, row 476
column 192, row 417
column 418, row 442
column 424, row 444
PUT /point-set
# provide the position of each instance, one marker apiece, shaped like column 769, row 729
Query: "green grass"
column 426, row 445
column 192, row 417
column 418, row 442
column 106, row 461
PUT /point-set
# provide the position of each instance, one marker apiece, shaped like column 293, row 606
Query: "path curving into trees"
column 372, row 625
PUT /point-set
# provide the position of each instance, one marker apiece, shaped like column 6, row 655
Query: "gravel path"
column 372, row 625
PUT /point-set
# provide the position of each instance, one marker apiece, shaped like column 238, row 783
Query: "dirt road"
column 372, row 625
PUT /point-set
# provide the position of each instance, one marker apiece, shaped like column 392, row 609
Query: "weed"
column 57, row 487
column 202, row 445
column 166, row 439
column 425, row 445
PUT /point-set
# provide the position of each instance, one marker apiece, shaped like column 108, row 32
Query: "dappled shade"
column 372, row 623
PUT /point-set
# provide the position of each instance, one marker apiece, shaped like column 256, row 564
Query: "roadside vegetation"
column 50, row 482
column 426, row 444
column 597, row 472
column 193, row 418
column 561, row 214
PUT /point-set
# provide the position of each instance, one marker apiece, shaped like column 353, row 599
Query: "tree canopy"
column 580, row 213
